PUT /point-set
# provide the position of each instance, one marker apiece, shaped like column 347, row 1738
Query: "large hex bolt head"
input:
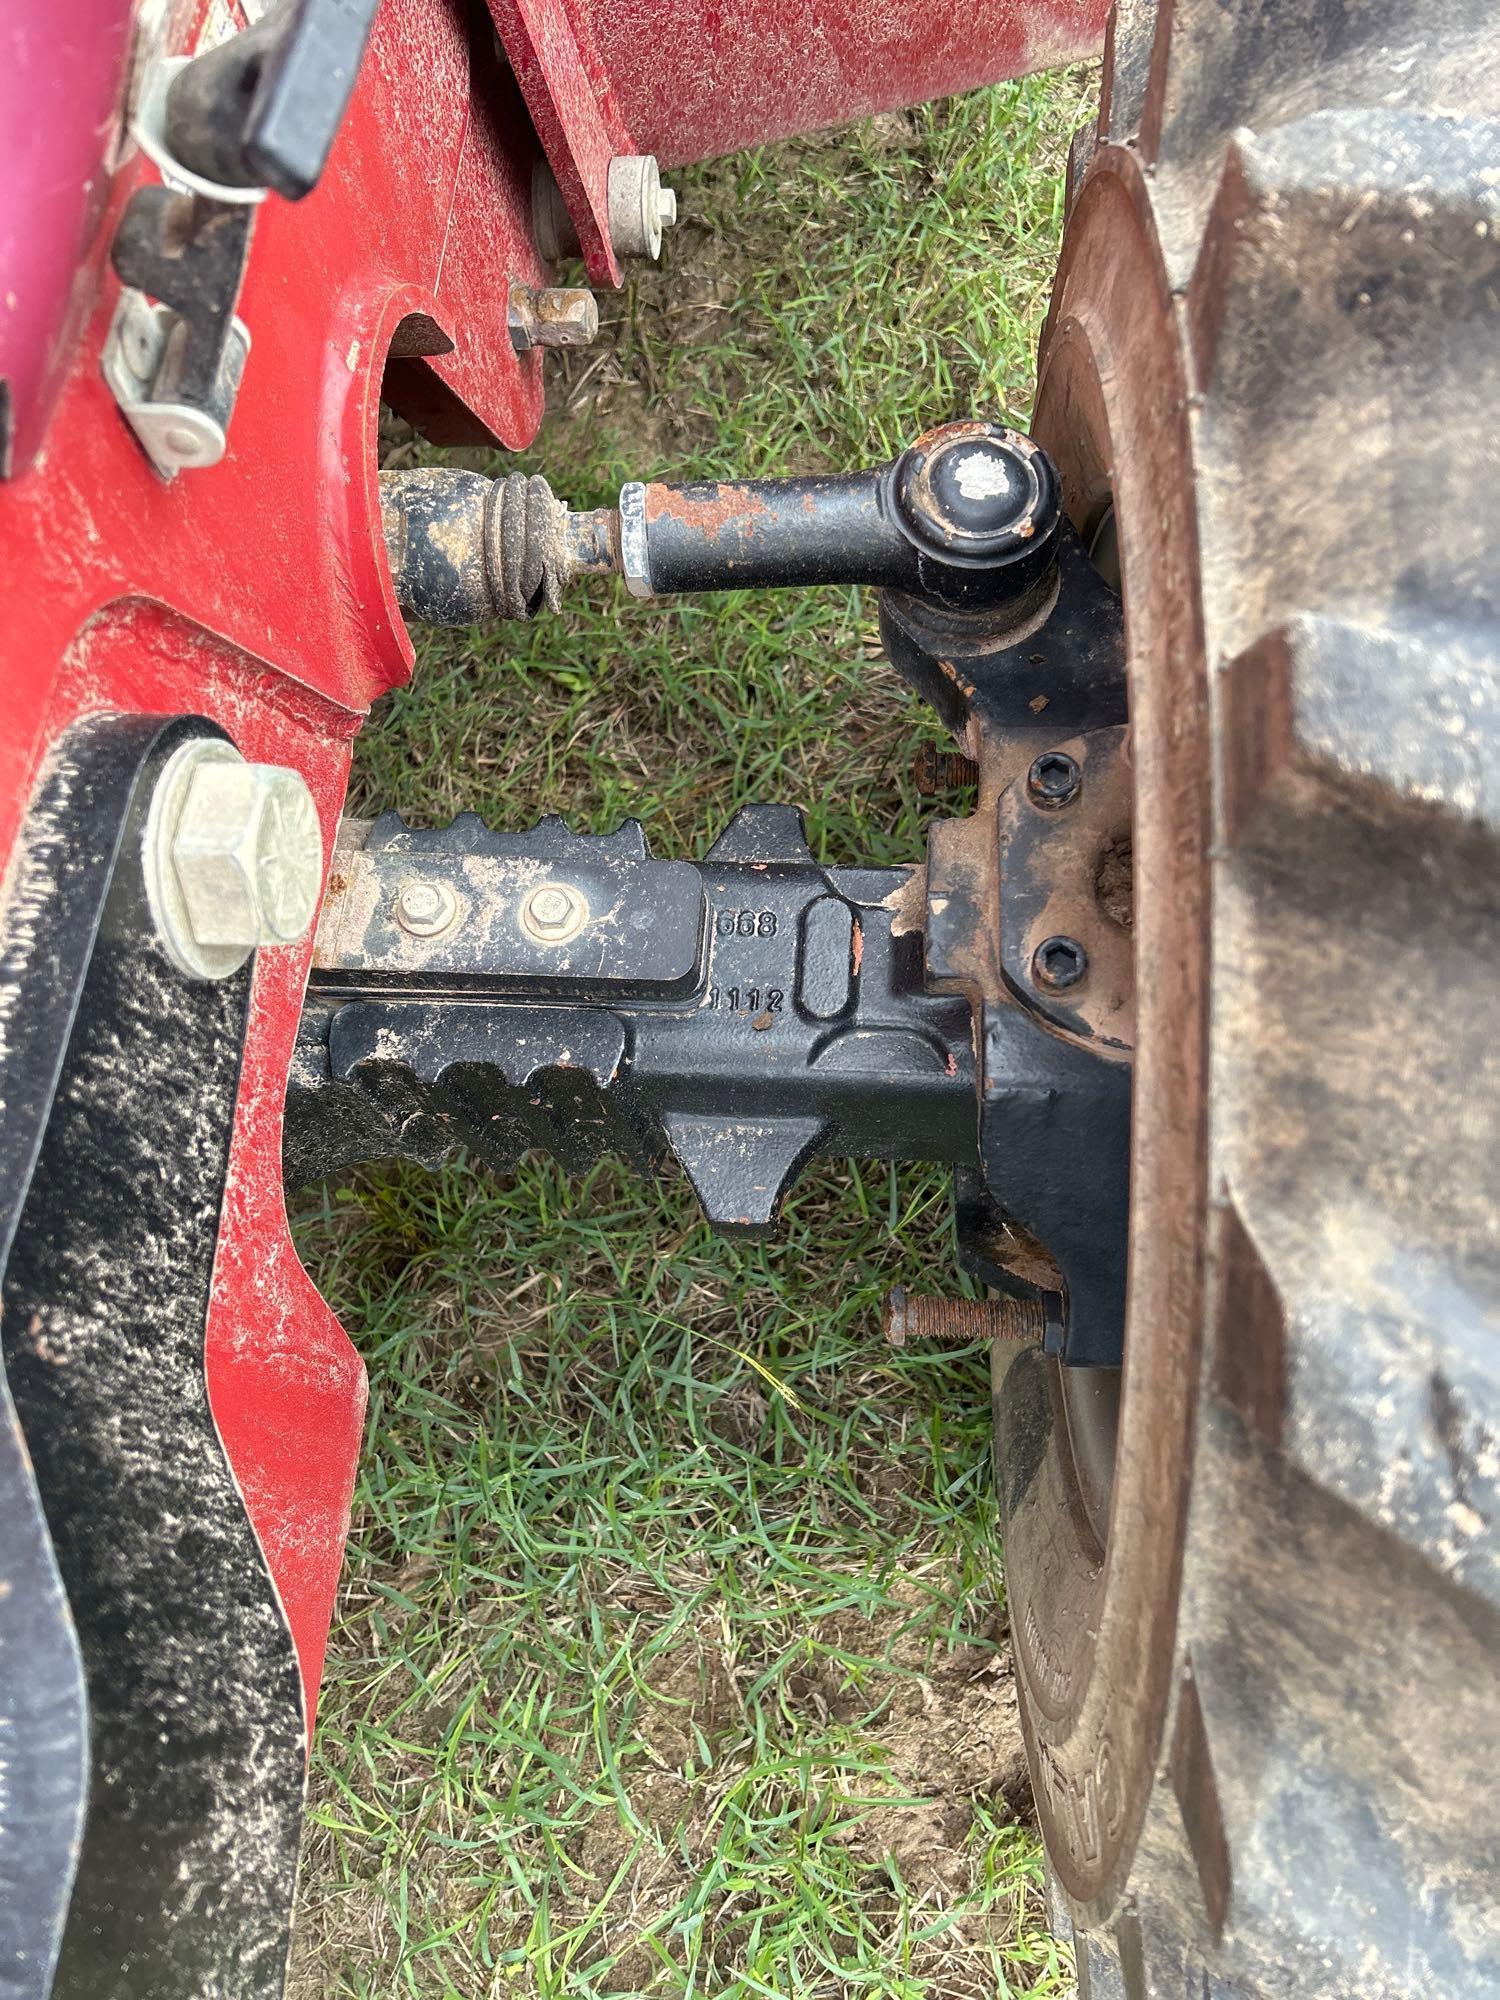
column 233, row 858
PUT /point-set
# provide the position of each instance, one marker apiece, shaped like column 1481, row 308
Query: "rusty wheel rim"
column 1094, row 1622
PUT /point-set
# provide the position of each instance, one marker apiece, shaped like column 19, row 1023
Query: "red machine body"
column 256, row 592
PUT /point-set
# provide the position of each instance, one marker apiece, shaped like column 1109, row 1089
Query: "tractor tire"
column 1254, row 1577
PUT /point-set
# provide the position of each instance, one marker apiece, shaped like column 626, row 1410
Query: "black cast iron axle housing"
column 502, row 991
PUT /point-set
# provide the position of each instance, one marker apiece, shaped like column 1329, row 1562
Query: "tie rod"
column 967, row 518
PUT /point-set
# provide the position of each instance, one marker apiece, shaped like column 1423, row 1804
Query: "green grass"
column 671, row 1652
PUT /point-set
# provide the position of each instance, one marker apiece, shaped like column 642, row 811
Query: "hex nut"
column 553, row 316
column 233, row 857
column 553, row 912
column 635, row 541
column 640, row 208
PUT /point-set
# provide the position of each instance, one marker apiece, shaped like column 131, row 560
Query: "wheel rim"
column 1094, row 1623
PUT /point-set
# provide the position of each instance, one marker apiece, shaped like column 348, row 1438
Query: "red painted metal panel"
column 59, row 123
column 567, row 91
column 695, row 78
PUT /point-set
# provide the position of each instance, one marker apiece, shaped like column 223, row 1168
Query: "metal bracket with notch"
column 257, row 112
column 143, row 366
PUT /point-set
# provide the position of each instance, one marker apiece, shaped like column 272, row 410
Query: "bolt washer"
column 220, row 886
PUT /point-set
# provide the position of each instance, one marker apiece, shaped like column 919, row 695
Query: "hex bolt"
column 553, row 912
column 640, row 208
column 1059, row 962
column 232, row 856
column 934, row 770
column 553, row 317
column 955, row 1320
column 424, row 909
column 1054, row 780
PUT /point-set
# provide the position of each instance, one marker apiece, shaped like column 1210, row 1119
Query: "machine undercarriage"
column 1192, row 999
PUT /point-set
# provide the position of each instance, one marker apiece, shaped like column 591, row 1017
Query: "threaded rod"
column 961, row 1320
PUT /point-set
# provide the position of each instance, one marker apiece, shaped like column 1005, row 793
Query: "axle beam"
column 564, row 992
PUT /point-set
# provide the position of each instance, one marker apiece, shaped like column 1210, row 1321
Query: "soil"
column 943, row 1729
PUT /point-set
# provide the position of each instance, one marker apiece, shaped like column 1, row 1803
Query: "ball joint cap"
column 978, row 495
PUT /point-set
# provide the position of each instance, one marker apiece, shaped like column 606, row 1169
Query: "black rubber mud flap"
column 152, row 1702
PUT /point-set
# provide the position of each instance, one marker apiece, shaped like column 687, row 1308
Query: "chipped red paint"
column 257, row 593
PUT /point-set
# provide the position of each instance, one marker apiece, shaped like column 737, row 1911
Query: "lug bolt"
column 553, row 317
column 423, row 909
column 1059, row 962
column 908, row 1318
column 1054, row 780
column 934, row 770
column 554, row 912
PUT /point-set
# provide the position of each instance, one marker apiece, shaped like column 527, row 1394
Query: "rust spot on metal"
column 708, row 509
column 950, row 672
column 963, row 427
column 1114, row 882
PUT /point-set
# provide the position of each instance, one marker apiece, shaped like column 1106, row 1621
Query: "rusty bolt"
column 233, row 857
column 908, row 1318
column 934, row 770
column 553, row 913
column 1059, row 962
column 552, row 317
column 424, row 909
column 1054, row 780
